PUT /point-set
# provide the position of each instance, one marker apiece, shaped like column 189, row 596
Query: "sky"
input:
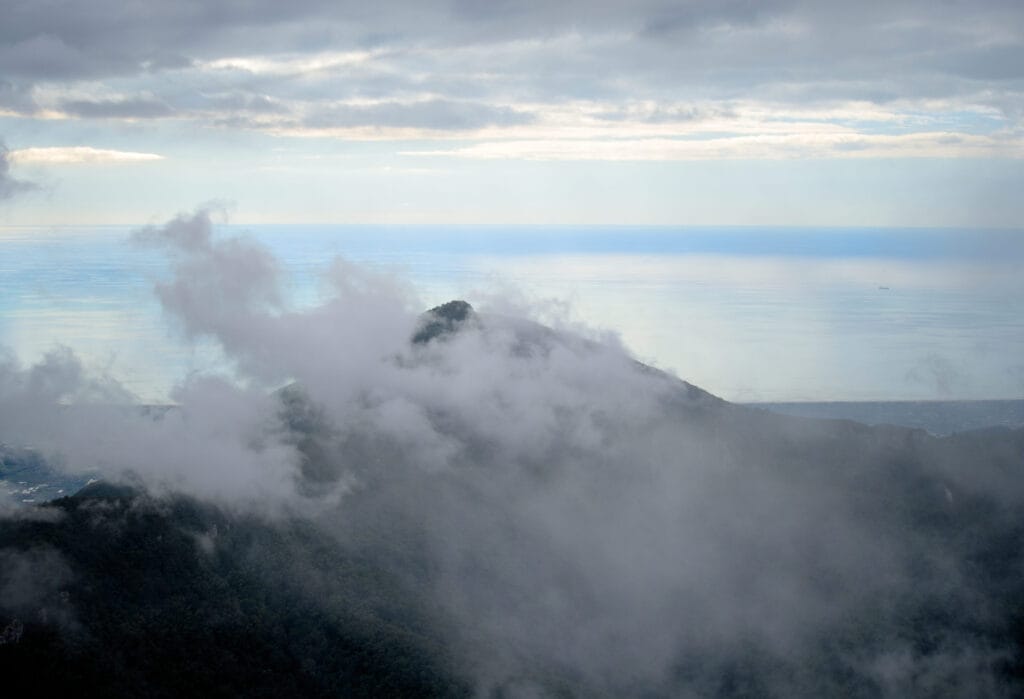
column 735, row 112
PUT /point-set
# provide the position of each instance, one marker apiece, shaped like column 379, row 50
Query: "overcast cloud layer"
column 771, row 79
column 445, row 112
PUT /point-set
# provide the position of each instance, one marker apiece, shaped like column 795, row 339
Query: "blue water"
column 937, row 417
column 752, row 314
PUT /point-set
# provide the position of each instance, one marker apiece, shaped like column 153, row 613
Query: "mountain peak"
column 441, row 320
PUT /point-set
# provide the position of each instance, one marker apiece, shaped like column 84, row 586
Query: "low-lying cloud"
column 576, row 518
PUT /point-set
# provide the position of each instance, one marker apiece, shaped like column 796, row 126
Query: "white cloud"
column 838, row 143
column 289, row 64
column 66, row 155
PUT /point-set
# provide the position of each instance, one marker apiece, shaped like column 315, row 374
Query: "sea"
column 761, row 315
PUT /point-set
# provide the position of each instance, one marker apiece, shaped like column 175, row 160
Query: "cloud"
column 9, row 186
column 117, row 109
column 41, row 57
column 66, row 155
column 455, row 69
column 217, row 285
column 241, row 102
column 429, row 114
column 15, row 99
column 562, row 511
column 31, row 579
column 840, row 144
column 936, row 372
column 85, row 422
column 296, row 65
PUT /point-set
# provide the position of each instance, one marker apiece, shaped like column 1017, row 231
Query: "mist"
column 575, row 522
column 9, row 186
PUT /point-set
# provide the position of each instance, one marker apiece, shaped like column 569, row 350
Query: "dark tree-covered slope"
column 131, row 596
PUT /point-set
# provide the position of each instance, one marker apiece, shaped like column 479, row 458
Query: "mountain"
column 614, row 531
column 114, row 593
